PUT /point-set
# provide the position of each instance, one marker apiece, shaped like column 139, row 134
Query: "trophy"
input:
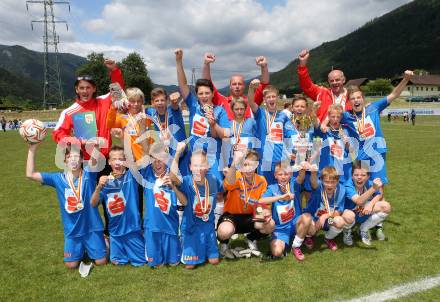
column 259, row 214
column 302, row 147
column 119, row 98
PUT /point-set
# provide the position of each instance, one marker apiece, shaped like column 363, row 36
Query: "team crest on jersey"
column 162, row 199
column 276, row 132
column 199, row 208
column 369, row 129
column 336, row 148
column 116, row 203
column 285, row 213
column 71, row 203
column 200, row 126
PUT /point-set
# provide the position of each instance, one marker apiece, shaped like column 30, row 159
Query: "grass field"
column 32, row 242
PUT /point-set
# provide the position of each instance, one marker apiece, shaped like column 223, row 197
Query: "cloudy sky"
column 235, row 30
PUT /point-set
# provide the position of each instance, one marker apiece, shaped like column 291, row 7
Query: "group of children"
column 267, row 174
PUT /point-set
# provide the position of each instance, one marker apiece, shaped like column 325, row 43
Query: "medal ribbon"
column 76, row 191
column 237, row 132
column 133, row 123
column 245, row 190
column 270, row 120
column 326, row 203
column 360, row 122
column 203, row 206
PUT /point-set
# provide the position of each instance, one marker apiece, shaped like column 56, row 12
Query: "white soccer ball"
column 33, row 131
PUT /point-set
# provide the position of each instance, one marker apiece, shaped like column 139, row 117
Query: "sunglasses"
column 84, row 78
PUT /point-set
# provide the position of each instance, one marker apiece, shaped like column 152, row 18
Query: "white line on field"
column 401, row 290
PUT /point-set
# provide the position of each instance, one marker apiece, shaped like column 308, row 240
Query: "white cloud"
column 236, row 30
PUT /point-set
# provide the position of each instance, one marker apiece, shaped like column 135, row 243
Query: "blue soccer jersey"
column 173, row 120
column 371, row 139
column 334, row 153
column 350, row 191
column 199, row 212
column 121, row 199
column 285, row 211
column 316, row 205
column 78, row 218
column 274, row 133
column 161, row 205
column 240, row 134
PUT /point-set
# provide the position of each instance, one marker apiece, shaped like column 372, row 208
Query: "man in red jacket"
column 237, row 86
column 85, row 89
column 336, row 94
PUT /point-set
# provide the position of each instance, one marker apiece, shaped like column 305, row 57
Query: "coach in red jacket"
column 85, row 89
column 327, row 96
column 236, row 86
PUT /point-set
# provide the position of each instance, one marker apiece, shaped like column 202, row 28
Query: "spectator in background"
column 3, row 124
column 413, row 117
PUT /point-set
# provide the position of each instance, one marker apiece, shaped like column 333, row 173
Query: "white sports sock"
column 218, row 211
column 297, row 242
column 374, row 220
column 332, row 232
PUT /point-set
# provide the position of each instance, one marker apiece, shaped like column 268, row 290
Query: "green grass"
column 31, row 253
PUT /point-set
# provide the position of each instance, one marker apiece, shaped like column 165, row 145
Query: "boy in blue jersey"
column 199, row 240
column 161, row 220
column 274, row 130
column 286, row 211
column 364, row 198
column 119, row 194
column 168, row 123
column 326, row 206
column 83, row 228
column 336, row 149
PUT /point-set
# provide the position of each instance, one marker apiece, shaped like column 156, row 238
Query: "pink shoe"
column 296, row 251
column 308, row 242
column 331, row 244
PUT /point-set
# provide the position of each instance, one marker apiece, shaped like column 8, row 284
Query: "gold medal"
column 360, row 123
column 76, row 191
column 203, row 205
column 80, row 206
column 205, row 217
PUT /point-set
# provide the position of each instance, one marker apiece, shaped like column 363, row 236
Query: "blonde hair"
column 330, row 173
column 134, row 92
column 352, row 89
column 270, row 88
column 336, row 107
column 236, row 101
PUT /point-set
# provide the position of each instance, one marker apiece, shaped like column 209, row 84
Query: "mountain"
column 406, row 38
column 28, row 64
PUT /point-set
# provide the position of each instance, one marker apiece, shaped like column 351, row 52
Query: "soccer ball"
column 33, row 131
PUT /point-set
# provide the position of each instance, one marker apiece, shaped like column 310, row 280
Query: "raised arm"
column 262, row 62
column 174, row 100
column 115, row 72
column 181, row 77
column 95, row 196
column 174, row 170
column 206, row 70
column 180, row 195
column 30, row 165
column 361, row 199
column 305, row 82
column 313, row 178
column 399, row 88
column 251, row 92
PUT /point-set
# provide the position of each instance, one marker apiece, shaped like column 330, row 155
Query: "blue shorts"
column 199, row 245
column 93, row 243
column 286, row 234
column 161, row 248
column 128, row 248
column 361, row 219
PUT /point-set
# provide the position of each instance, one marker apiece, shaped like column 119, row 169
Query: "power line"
column 53, row 92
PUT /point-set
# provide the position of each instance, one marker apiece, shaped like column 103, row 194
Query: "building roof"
column 357, row 82
column 430, row 79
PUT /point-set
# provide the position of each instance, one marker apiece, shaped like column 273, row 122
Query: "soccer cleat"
column 365, row 236
column 380, row 235
column 308, row 242
column 252, row 245
column 347, row 238
column 296, row 251
column 331, row 244
column 226, row 252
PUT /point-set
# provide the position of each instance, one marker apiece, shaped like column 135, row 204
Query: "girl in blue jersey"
column 274, row 130
column 364, row 198
column 290, row 223
column 119, row 194
column 199, row 240
column 161, row 220
column 83, row 228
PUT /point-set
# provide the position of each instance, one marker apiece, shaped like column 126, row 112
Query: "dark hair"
column 252, row 152
column 357, row 164
column 204, row 83
column 116, row 148
column 298, row 97
column 87, row 78
column 158, row 91
column 76, row 147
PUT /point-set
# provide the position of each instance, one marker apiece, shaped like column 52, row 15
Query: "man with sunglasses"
column 87, row 102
